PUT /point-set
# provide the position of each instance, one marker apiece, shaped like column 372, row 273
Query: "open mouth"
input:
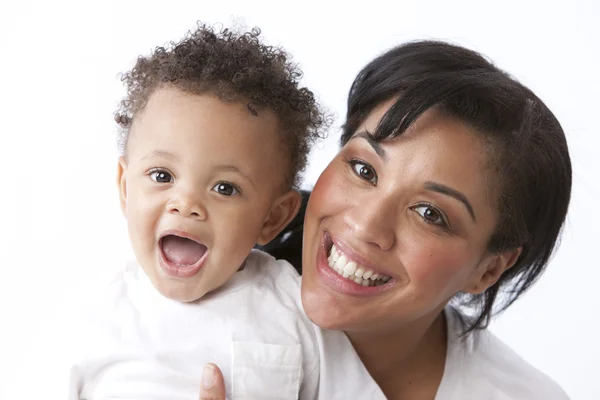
column 181, row 256
column 350, row 269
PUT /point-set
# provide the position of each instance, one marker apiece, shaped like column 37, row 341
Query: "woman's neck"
column 406, row 362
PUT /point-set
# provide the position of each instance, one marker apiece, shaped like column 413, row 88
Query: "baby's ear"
column 282, row 212
column 122, row 182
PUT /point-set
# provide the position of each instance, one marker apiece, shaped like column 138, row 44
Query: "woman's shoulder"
column 482, row 366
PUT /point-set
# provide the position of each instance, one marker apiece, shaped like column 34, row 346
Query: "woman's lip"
column 351, row 254
column 339, row 283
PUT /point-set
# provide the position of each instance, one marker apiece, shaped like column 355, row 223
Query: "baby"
column 215, row 131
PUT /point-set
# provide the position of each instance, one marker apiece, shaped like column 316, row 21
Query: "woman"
column 448, row 195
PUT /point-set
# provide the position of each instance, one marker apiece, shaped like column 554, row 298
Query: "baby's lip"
column 176, row 265
column 182, row 234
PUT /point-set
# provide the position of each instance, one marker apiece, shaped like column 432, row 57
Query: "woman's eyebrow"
column 374, row 143
column 448, row 191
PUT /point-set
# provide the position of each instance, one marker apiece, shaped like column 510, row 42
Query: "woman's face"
column 412, row 215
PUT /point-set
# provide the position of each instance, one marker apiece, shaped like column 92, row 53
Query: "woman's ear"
column 491, row 269
column 282, row 212
column 122, row 182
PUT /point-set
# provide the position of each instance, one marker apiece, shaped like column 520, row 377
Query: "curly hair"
column 233, row 66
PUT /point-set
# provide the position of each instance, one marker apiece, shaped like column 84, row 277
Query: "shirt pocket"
column 266, row 371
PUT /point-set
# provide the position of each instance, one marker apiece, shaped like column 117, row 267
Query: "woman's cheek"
column 326, row 190
column 436, row 268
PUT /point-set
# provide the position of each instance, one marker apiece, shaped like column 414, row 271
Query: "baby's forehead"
column 210, row 129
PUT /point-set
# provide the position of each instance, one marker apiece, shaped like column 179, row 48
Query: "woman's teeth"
column 356, row 272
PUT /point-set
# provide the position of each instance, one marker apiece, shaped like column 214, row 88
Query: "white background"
column 60, row 222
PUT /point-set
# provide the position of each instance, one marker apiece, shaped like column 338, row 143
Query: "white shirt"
column 482, row 367
column 133, row 343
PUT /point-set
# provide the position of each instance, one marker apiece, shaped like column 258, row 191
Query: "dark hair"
column 528, row 150
column 234, row 67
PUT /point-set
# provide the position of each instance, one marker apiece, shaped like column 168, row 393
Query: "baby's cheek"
column 139, row 220
column 142, row 227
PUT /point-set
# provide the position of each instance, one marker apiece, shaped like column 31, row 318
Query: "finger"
column 213, row 384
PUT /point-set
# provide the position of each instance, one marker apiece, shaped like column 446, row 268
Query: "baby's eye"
column 226, row 189
column 364, row 171
column 161, row 176
column 431, row 215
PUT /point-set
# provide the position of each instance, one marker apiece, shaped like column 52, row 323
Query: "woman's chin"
column 323, row 311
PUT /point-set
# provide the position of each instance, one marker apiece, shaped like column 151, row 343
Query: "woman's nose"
column 372, row 221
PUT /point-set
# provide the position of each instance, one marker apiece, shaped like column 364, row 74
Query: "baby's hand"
column 213, row 385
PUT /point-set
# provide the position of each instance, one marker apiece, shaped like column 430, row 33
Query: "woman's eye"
column 161, row 176
column 431, row 215
column 364, row 171
column 226, row 189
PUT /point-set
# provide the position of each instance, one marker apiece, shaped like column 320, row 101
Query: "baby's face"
column 200, row 185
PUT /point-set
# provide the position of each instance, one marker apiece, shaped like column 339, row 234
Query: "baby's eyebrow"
column 158, row 154
column 233, row 168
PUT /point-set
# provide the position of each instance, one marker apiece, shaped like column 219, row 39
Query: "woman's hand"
column 213, row 385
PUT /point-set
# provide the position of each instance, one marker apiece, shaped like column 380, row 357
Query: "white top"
column 482, row 367
column 133, row 343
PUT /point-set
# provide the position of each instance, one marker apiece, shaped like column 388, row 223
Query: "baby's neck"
column 407, row 362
